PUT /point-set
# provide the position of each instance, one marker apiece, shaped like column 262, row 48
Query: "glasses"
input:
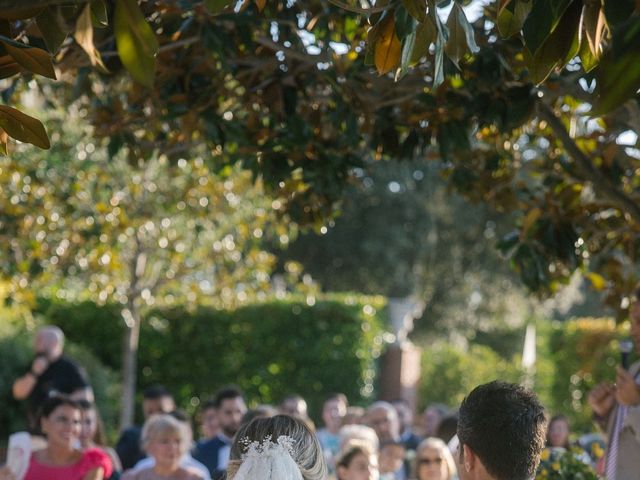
column 429, row 461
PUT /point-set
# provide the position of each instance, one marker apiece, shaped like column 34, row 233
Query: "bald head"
column 49, row 341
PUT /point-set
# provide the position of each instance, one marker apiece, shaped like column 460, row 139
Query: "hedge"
column 268, row 349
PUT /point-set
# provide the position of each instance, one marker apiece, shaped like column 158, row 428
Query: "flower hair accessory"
column 268, row 460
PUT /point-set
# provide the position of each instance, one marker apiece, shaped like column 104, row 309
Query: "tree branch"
column 600, row 183
column 362, row 11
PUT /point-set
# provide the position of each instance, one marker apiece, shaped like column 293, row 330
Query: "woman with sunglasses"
column 61, row 459
column 434, row 461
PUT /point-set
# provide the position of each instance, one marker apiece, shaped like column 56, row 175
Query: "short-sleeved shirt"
column 63, row 376
column 91, row 459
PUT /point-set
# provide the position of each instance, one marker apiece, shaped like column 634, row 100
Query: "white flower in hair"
column 268, row 460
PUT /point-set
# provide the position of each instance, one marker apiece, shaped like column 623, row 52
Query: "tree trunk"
column 132, row 319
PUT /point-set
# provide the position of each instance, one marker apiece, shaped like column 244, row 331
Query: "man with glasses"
column 501, row 429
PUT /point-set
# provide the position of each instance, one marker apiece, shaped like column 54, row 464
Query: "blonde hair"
column 307, row 452
column 437, row 444
column 165, row 424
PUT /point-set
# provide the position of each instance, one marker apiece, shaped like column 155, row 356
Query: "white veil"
column 268, row 460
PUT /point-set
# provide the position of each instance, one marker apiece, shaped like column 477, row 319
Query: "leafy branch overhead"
column 302, row 93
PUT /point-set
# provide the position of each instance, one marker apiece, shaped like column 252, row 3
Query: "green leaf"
column 560, row 47
column 137, row 44
column 408, row 46
column 84, row 37
column 405, row 23
column 214, row 7
column 99, row 13
column 32, row 59
column 587, row 58
column 425, row 35
column 542, row 21
column 53, row 27
column 512, row 16
column 22, row 127
column 619, row 71
column 438, row 68
column 461, row 36
column 417, row 9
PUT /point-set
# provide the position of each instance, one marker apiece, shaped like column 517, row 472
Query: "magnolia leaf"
column 22, row 127
column 542, row 21
column 560, row 47
column 136, row 42
column 461, row 36
column 261, row 4
column 214, row 7
column 53, row 28
column 593, row 25
column 588, row 60
column 4, row 143
column 416, row 8
column 408, row 46
column 438, row 67
column 387, row 47
column 32, row 59
column 405, row 23
column 619, row 72
column 512, row 15
column 8, row 66
column 99, row 13
column 18, row 13
column 425, row 35
column 84, row 37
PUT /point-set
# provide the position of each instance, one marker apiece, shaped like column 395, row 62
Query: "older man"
column 616, row 409
column 50, row 372
column 501, row 429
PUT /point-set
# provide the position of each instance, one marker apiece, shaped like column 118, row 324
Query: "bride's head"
column 270, row 444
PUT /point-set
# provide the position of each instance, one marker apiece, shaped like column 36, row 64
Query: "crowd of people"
column 498, row 432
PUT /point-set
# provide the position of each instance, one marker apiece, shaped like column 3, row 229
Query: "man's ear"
column 469, row 459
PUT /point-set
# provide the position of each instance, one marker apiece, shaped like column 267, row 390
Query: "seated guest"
column 405, row 416
column 166, row 440
column 294, row 405
column 434, row 461
column 432, row 417
column 209, row 426
column 358, row 434
column 61, row 459
column 276, row 448
column 357, row 462
column 334, row 409
column 187, row 461
column 155, row 400
column 392, row 460
column 383, row 418
column 92, row 435
column 214, row 453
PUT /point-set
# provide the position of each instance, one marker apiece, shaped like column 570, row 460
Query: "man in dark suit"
column 214, row 453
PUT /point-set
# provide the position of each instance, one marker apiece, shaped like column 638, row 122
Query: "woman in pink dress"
column 61, row 460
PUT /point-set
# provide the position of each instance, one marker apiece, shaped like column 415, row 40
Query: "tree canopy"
column 523, row 107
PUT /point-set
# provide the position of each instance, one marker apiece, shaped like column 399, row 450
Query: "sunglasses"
column 429, row 461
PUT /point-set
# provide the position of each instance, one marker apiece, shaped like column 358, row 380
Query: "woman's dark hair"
column 51, row 403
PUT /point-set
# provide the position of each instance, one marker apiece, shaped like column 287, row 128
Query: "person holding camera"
column 50, row 372
column 616, row 409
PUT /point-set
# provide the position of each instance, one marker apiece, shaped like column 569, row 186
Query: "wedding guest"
column 357, row 462
column 214, row 453
column 209, row 425
column 294, row 405
column 334, row 409
column 155, row 400
column 354, row 416
column 558, row 432
column 392, row 460
column 383, row 418
column 166, row 440
column 60, row 421
column 276, row 448
column 432, row 417
column 92, row 435
column 434, row 461
column 405, row 415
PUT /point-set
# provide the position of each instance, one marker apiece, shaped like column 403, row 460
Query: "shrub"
column 268, row 349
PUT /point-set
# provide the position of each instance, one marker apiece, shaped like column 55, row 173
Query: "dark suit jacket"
column 207, row 452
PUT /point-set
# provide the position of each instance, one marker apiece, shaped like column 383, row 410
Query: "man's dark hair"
column 504, row 424
column 226, row 394
column 154, row 392
column 208, row 405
